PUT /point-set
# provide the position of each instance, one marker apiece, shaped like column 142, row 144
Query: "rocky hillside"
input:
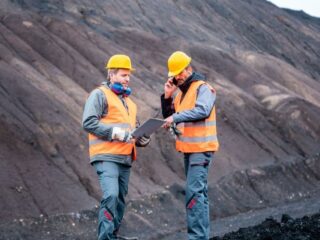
column 263, row 61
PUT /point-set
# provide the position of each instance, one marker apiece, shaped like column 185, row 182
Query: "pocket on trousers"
column 98, row 167
column 201, row 159
column 204, row 164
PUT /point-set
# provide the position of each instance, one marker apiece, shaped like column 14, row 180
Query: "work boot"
column 119, row 237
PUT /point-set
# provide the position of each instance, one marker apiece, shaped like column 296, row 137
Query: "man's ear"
column 189, row 69
column 111, row 74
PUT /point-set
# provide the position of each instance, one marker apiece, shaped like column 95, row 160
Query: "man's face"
column 182, row 77
column 121, row 76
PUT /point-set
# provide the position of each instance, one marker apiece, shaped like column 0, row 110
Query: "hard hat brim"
column 131, row 69
column 170, row 74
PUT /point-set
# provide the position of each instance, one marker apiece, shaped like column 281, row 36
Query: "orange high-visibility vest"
column 197, row 136
column 117, row 116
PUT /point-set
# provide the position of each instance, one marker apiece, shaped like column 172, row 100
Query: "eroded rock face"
column 262, row 60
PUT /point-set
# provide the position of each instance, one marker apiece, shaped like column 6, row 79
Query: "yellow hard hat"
column 119, row 61
column 177, row 62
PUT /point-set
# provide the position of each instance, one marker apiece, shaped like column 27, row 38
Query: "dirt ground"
column 83, row 226
column 306, row 228
column 149, row 220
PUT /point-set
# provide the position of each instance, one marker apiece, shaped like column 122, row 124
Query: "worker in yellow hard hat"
column 109, row 117
column 192, row 116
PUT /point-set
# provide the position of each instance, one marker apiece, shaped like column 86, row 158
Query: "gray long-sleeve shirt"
column 203, row 106
column 95, row 108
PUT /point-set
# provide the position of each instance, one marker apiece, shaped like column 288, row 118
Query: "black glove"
column 143, row 141
column 174, row 130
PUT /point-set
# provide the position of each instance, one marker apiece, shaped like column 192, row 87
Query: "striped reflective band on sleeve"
column 197, row 139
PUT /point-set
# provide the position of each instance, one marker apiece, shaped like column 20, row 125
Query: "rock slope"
column 262, row 60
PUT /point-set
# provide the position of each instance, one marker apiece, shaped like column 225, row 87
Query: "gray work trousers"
column 114, row 179
column 197, row 203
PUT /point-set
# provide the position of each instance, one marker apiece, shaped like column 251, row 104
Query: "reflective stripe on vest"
column 198, row 139
column 198, row 136
column 117, row 116
column 197, row 123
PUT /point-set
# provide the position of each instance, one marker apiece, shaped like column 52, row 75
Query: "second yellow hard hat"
column 177, row 62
